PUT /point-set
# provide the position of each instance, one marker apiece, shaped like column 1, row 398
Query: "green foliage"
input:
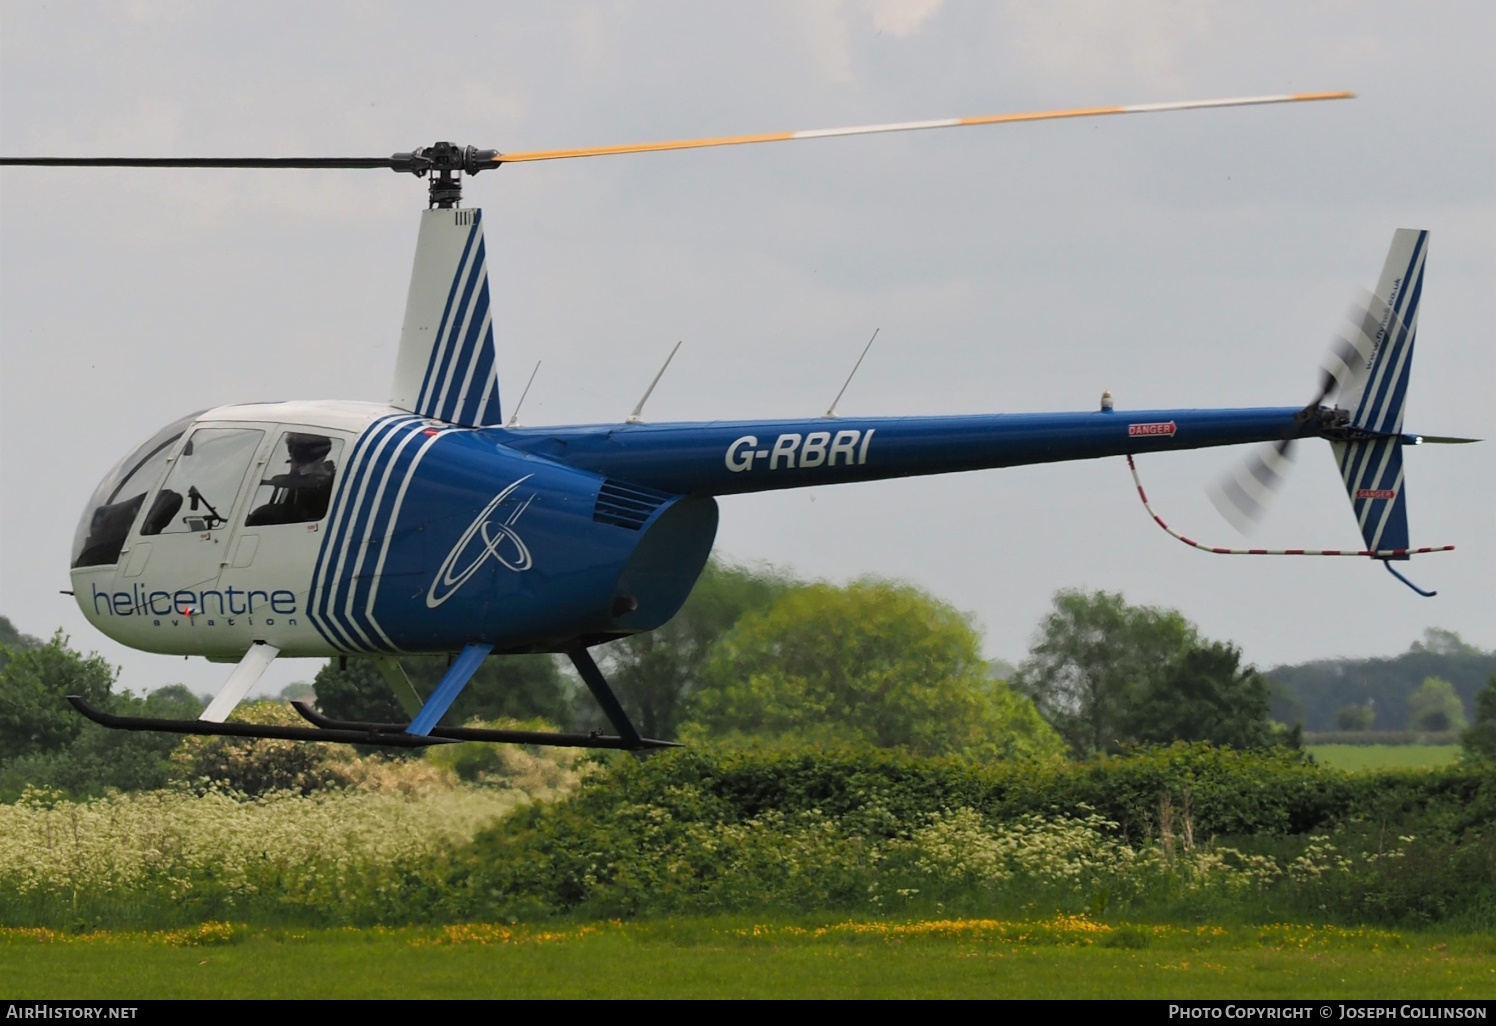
column 1107, row 674
column 1204, row 695
column 1312, row 693
column 1093, row 653
column 1355, row 717
column 12, row 640
column 1480, row 739
column 99, row 759
column 863, row 828
column 874, row 661
column 297, row 689
column 654, row 673
column 1184, row 833
column 35, row 717
column 1435, row 707
column 175, row 857
column 256, row 766
column 508, row 686
column 45, row 742
column 1438, row 641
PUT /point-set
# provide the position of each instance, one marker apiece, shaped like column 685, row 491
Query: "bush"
column 254, row 766
column 1177, row 828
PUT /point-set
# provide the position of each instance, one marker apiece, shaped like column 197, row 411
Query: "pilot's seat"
column 302, row 495
column 162, row 510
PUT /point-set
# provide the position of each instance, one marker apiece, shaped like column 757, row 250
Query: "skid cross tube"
column 519, row 737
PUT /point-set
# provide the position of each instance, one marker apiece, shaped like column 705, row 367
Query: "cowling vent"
column 627, row 505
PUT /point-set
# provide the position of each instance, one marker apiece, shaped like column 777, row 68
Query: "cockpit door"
column 188, row 526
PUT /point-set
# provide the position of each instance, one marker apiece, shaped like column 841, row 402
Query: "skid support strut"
column 598, row 685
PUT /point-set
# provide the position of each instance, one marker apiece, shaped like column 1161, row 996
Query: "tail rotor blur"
column 1244, row 493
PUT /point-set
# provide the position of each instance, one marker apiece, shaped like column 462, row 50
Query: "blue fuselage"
column 428, row 537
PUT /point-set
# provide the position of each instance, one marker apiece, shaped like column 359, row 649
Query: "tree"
column 1435, row 707
column 35, row 716
column 1355, row 717
column 100, row 758
column 874, row 661
column 14, row 639
column 1321, row 688
column 1107, row 674
column 1092, row 656
column 45, row 742
column 1438, row 641
column 653, row 673
column 1480, row 739
column 517, row 686
column 1205, row 695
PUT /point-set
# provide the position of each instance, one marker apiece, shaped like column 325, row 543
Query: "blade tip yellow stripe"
column 1342, row 95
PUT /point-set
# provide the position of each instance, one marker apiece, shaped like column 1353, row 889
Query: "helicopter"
column 427, row 524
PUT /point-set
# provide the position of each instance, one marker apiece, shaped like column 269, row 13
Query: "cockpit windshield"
column 114, row 504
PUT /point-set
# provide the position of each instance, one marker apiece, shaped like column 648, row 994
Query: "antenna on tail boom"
column 514, row 416
column 831, row 410
column 635, row 417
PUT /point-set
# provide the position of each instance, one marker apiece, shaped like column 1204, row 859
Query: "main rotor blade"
column 908, row 126
column 304, row 162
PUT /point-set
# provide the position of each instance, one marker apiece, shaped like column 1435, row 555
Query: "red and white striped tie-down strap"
column 1372, row 553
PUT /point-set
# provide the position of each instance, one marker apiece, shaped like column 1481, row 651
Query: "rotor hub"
column 445, row 163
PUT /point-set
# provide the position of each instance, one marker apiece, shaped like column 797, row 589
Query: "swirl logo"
column 498, row 541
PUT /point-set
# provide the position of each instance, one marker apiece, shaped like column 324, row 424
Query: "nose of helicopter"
column 115, row 503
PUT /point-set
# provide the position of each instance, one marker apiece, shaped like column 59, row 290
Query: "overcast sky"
column 1189, row 259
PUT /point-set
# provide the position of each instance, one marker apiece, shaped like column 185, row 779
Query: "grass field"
column 1065, row 957
column 1379, row 757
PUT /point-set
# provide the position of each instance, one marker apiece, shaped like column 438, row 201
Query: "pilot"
column 302, row 495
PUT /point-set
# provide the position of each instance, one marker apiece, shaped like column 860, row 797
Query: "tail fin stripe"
column 1387, row 508
column 452, row 293
column 450, row 344
column 1396, row 339
column 465, row 401
column 1389, row 417
column 1373, row 481
column 465, row 336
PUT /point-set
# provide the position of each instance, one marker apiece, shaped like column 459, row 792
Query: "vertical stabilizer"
column 445, row 368
column 1380, row 351
column 1380, row 346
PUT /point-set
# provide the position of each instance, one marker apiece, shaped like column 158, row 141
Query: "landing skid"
column 269, row 730
column 356, row 732
column 519, row 737
column 422, row 731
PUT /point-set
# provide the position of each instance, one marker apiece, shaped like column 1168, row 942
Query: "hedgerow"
column 1187, row 827
column 1187, row 831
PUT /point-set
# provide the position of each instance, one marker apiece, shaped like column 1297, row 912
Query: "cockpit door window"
column 200, row 491
column 298, row 480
